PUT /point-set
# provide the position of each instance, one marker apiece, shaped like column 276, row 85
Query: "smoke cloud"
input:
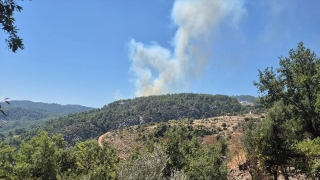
column 157, row 70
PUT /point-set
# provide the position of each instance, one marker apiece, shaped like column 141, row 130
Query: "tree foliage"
column 186, row 153
column 46, row 157
column 7, row 22
column 289, row 134
column 270, row 143
column 177, row 155
column 148, row 166
column 297, row 83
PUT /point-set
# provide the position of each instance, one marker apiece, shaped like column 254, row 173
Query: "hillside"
column 247, row 98
column 122, row 113
column 26, row 114
column 125, row 140
column 129, row 140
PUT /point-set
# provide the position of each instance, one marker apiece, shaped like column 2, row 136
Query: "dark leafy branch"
column 7, row 23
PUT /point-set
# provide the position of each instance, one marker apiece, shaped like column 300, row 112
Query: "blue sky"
column 94, row 52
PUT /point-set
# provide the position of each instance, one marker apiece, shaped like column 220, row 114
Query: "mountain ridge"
column 26, row 113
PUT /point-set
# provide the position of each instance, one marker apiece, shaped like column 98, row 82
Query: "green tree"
column 205, row 162
column 273, row 141
column 145, row 166
column 37, row 158
column 296, row 83
column 148, row 166
column 292, row 94
column 6, row 162
column 7, row 9
column 95, row 162
column 310, row 164
column 186, row 153
column 175, row 141
column 47, row 157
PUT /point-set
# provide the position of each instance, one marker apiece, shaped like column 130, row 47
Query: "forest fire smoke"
column 157, row 70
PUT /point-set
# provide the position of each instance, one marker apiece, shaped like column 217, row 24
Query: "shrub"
column 148, row 166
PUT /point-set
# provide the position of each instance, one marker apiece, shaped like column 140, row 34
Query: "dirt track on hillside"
column 100, row 139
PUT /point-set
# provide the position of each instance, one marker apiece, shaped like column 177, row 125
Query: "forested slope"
column 247, row 98
column 25, row 114
column 85, row 125
column 50, row 107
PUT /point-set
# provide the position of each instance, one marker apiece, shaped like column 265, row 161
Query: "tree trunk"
column 275, row 175
column 284, row 172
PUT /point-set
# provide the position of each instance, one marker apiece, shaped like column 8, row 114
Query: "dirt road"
column 100, row 139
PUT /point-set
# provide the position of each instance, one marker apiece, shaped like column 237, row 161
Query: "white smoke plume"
column 159, row 71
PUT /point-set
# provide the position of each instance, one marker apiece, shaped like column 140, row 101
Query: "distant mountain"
column 121, row 113
column 25, row 114
column 51, row 107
